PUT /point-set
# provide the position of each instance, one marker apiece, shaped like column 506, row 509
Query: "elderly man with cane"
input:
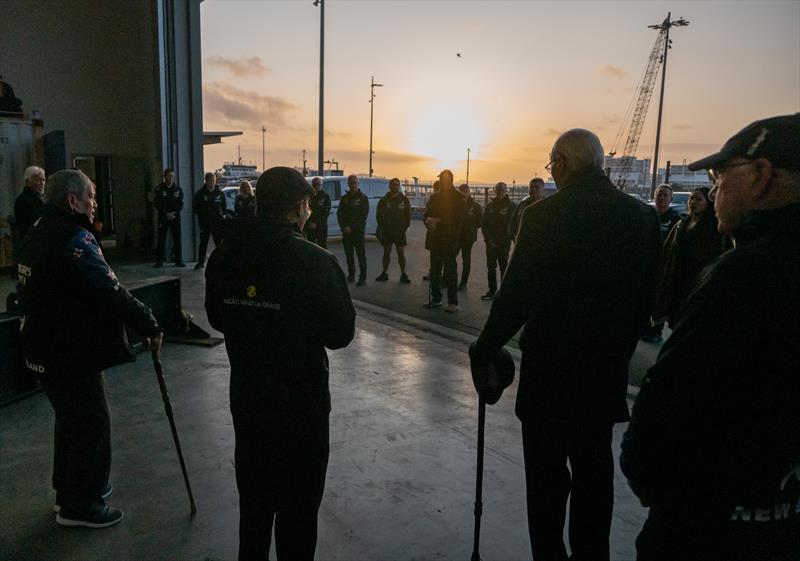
column 581, row 281
column 74, row 313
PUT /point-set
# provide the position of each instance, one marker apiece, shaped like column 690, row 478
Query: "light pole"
column 372, row 87
column 468, row 151
column 321, row 4
column 263, row 149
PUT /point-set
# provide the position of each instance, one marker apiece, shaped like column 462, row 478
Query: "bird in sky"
column 458, row 55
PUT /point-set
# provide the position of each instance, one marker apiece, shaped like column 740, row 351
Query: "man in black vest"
column 278, row 318
column 473, row 218
column 394, row 218
column 581, row 281
column 496, row 233
column 168, row 200
column 74, row 313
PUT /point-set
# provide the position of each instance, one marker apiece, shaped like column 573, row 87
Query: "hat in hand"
column 491, row 377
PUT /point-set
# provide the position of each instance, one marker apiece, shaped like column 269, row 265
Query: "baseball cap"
column 280, row 185
column 777, row 139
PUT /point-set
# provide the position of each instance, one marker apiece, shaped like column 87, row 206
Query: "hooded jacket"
column 74, row 310
column 280, row 301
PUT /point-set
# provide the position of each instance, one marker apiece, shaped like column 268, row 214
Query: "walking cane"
column 476, row 555
column 168, row 409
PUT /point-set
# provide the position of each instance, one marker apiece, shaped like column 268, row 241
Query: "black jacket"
column 320, row 205
column 517, row 217
column 168, row 199
column 496, row 224
column 280, row 301
column 473, row 218
column 27, row 209
column 73, row 308
column 353, row 211
column 581, row 281
column 210, row 207
column 393, row 215
column 667, row 221
column 716, row 424
column 448, row 206
column 244, row 207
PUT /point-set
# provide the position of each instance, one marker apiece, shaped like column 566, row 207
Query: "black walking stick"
column 476, row 555
column 168, row 409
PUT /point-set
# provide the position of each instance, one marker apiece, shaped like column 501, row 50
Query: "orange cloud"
column 235, row 106
column 613, row 71
column 241, row 68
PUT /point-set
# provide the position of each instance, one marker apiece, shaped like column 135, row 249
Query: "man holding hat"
column 581, row 281
column 280, row 301
column 713, row 447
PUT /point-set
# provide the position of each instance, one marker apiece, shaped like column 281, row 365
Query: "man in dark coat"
column 535, row 194
column 210, row 206
column 496, row 228
column 280, row 301
column 473, row 216
column 352, row 216
column 168, row 200
column 74, row 313
column 394, row 218
column 30, row 203
column 316, row 229
column 443, row 219
column 581, row 282
column 713, row 446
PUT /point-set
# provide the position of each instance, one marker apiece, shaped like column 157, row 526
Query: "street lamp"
column 372, row 87
column 321, row 4
column 468, row 151
column 263, row 149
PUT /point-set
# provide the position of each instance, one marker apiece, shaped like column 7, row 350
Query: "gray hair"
column 31, row 171
column 64, row 183
column 580, row 149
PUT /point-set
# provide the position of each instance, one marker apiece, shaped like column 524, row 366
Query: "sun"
column 445, row 131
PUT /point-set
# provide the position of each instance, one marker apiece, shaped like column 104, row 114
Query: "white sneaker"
column 451, row 308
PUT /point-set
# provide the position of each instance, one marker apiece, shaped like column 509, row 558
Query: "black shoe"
column 351, row 277
column 96, row 516
column 361, row 281
column 382, row 277
column 488, row 296
column 180, row 264
column 462, row 287
column 158, row 265
column 106, row 493
column 199, row 266
column 404, row 279
column 432, row 304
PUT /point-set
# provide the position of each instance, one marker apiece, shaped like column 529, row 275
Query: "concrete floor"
column 401, row 476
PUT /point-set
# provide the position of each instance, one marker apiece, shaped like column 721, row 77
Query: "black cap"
column 278, row 187
column 777, row 139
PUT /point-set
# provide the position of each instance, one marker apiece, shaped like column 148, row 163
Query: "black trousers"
column 318, row 236
column 589, row 484
column 444, row 272
column 82, row 438
column 174, row 227
column 204, row 237
column 280, row 474
column 466, row 260
column 691, row 536
column 354, row 241
column 496, row 255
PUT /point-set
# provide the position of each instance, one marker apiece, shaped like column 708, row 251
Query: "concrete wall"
column 92, row 69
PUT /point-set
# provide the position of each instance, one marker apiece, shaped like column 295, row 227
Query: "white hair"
column 31, row 171
column 580, row 149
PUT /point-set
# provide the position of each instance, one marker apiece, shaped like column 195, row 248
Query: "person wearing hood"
column 74, row 313
column 281, row 301
column 713, row 446
column 580, row 281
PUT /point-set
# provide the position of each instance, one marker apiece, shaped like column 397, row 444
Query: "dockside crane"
column 643, row 94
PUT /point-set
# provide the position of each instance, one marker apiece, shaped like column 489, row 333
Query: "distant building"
column 682, row 179
column 637, row 178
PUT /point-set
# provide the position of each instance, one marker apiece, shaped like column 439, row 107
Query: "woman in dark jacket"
column 245, row 205
column 693, row 243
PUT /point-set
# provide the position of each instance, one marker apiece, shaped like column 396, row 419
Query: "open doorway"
column 98, row 168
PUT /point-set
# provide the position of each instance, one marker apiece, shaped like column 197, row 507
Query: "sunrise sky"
column 528, row 70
